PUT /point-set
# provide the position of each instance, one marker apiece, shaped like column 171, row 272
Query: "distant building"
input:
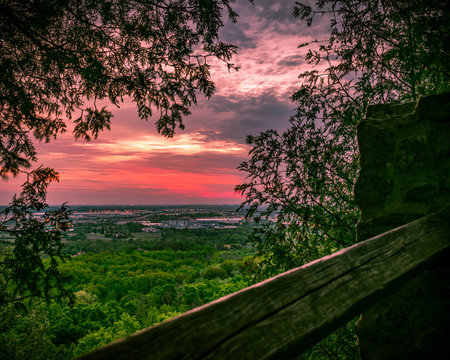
column 150, row 229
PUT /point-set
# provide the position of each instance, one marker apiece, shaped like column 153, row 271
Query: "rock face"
column 405, row 174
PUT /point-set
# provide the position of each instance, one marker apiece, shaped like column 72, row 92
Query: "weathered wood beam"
column 280, row 317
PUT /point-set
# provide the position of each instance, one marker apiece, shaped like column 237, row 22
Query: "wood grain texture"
column 280, row 317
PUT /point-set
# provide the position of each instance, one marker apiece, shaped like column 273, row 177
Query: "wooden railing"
column 285, row 315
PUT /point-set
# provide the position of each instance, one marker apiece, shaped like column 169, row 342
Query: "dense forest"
column 121, row 286
column 123, row 280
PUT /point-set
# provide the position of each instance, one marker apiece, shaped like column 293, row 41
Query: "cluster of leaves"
column 27, row 241
column 59, row 57
column 308, row 186
column 339, row 345
column 376, row 52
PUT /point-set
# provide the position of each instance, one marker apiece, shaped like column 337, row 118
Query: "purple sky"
column 132, row 164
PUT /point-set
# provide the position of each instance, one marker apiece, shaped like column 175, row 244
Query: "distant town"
column 97, row 222
column 155, row 218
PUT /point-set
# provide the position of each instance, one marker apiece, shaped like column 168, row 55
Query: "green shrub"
column 214, row 272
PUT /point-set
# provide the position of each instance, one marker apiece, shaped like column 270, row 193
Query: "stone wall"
column 405, row 174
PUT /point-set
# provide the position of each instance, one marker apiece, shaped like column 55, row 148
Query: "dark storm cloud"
column 268, row 12
column 242, row 116
column 291, row 61
column 235, row 34
column 277, row 17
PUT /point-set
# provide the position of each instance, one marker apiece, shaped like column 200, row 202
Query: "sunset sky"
column 132, row 164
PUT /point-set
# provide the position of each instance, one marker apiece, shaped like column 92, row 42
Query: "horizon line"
column 190, row 204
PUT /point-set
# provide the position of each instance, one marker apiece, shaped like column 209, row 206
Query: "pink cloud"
column 131, row 164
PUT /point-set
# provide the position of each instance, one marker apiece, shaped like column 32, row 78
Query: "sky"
column 132, row 164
